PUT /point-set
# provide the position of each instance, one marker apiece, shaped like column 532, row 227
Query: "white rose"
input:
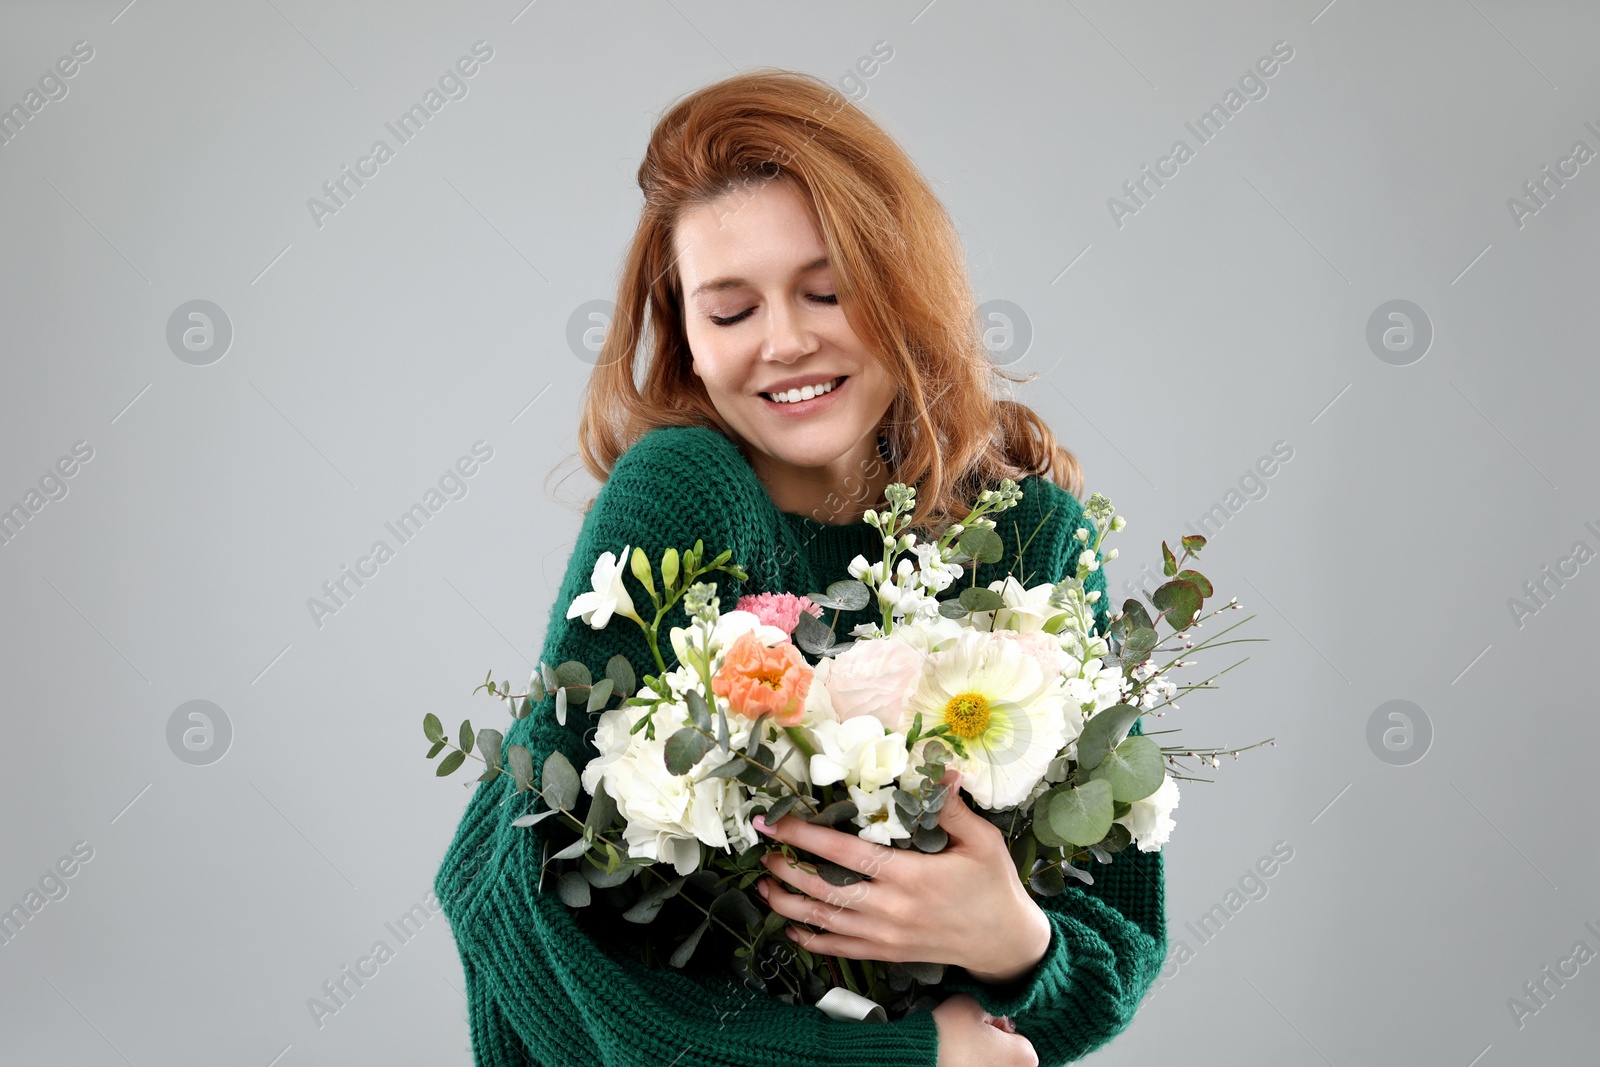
column 1150, row 820
column 667, row 815
column 873, row 678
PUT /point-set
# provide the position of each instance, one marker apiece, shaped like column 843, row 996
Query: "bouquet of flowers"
column 1010, row 684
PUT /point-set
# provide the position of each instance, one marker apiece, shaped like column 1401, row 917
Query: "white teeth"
column 796, row 395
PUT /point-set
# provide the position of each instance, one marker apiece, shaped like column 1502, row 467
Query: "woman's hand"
column 963, row 906
column 971, row 1037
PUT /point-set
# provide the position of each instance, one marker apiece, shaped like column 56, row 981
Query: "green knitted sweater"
column 544, row 987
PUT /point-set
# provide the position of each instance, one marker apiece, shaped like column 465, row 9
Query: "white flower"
column 928, row 635
column 1006, row 709
column 876, row 815
column 608, row 595
column 857, row 751
column 1024, row 610
column 873, row 678
column 667, row 815
column 1150, row 820
column 936, row 574
column 728, row 627
column 1086, row 559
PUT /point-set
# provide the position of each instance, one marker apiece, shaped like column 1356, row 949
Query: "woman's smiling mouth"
column 804, row 395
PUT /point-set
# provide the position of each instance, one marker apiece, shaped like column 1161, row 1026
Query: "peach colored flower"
column 778, row 609
column 756, row 679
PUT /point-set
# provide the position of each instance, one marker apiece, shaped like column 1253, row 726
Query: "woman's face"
column 761, row 317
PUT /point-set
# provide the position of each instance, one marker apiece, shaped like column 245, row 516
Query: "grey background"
column 432, row 311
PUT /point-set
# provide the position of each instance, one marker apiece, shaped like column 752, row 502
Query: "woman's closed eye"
column 821, row 298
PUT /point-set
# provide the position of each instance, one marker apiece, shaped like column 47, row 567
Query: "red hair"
column 899, row 273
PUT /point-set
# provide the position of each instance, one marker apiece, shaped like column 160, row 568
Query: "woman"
column 812, row 338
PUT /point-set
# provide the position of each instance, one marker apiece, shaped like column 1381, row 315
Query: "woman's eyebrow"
column 717, row 285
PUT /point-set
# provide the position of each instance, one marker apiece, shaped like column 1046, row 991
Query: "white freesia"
column 1024, row 609
column 876, row 816
column 857, row 751
column 1150, row 820
column 728, row 627
column 608, row 596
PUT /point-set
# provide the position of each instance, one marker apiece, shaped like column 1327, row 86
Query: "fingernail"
column 760, row 823
column 761, row 886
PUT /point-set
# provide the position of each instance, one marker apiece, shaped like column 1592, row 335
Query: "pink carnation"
column 778, row 609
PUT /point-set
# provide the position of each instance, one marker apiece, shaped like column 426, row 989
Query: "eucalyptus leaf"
column 602, row 810
column 432, row 728
column 1134, row 769
column 1179, row 601
column 737, row 906
column 573, row 673
column 982, row 544
column 450, row 763
column 1117, row 838
column 1048, row 881
column 756, row 774
column 1138, row 618
column 1103, row 732
column 1078, row 872
column 812, row 634
column 1169, row 562
column 1142, row 639
column 835, row 813
column 731, row 769
column 977, row 598
column 837, row 874
column 573, row 889
column 520, row 760
column 699, row 713
column 930, row 839
column 438, row 747
column 1198, row 580
column 465, row 736
column 574, row 850
column 952, row 609
column 560, row 781
column 601, row 878
column 599, row 694
column 782, row 807
column 681, row 955
column 620, row 671
column 650, row 901
column 850, row 594
column 1082, row 815
column 489, row 742
column 530, row 820
column 684, row 749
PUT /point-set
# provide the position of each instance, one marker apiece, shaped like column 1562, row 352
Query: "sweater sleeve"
column 540, row 989
column 1107, row 940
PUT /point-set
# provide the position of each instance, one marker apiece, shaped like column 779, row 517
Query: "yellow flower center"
column 967, row 714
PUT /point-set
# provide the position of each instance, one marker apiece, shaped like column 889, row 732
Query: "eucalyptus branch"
column 617, row 845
